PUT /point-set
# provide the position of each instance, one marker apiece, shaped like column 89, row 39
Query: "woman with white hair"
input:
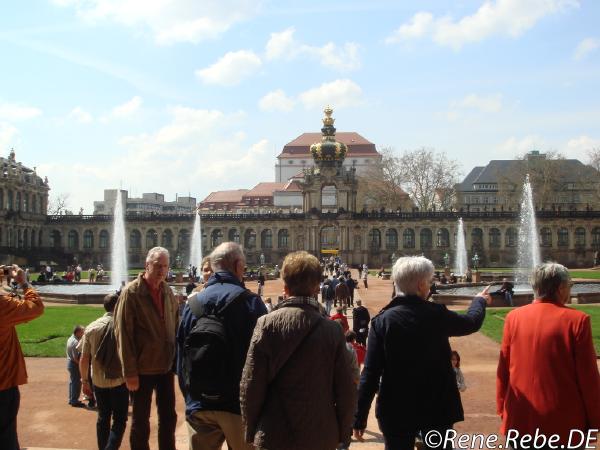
column 408, row 350
column 547, row 373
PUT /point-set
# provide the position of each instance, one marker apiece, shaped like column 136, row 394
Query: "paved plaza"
column 47, row 421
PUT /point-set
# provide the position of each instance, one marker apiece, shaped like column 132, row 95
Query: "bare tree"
column 58, row 204
column 428, row 177
column 381, row 184
column 594, row 158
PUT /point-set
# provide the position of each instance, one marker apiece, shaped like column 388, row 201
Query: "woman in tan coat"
column 297, row 391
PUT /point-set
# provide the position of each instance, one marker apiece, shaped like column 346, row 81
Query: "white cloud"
column 8, row 133
column 276, row 101
column 494, row 18
column 579, row 147
column 231, row 68
column 127, row 109
column 282, row 45
column 488, row 104
column 338, row 94
column 513, row 146
column 169, row 21
column 16, row 111
column 80, row 115
column 585, row 47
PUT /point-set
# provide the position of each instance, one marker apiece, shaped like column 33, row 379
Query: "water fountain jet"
column 118, row 265
column 196, row 247
column 529, row 246
column 461, row 250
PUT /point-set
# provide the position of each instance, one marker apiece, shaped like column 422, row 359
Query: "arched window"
column 183, row 240
column 283, row 238
column 391, row 239
column 18, row 202
column 9, row 239
column 546, row 237
column 167, row 239
column 426, row 237
column 25, row 238
column 135, row 239
column 266, row 239
column 495, row 238
column 408, row 238
column 563, row 237
column 216, row 238
column 34, row 204
column 596, row 238
column 234, row 236
column 73, row 240
column 26, row 202
column 151, row 238
column 250, row 239
column 375, row 238
column 9, row 200
column 580, row 237
column 88, row 239
column 511, row 237
column 103, row 240
column 443, row 238
column 40, row 238
column 477, row 239
column 32, row 238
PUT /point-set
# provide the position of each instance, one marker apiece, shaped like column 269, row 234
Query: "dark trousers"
column 405, row 440
column 167, row 417
column 361, row 338
column 10, row 400
column 74, row 382
column 112, row 403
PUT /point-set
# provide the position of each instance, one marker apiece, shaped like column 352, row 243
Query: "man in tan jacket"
column 146, row 321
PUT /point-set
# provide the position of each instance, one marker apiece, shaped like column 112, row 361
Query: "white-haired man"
column 146, row 322
column 408, row 350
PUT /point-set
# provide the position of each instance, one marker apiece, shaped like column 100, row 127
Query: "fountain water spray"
column 196, row 250
column 461, row 249
column 118, row 265
column 529, row 246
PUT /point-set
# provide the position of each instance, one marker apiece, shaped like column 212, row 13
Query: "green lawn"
column 47, row 335
column 494, row 322
column 590, row 275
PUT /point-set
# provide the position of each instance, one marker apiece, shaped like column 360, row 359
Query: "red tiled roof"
column 357, row 145
column 291, row 186
column 265, row 189
column 234, row 196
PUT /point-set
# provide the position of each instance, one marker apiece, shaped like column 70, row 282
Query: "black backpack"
column 106, row 353
column 208, row 358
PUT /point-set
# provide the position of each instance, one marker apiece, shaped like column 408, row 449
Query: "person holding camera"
column 14, row 310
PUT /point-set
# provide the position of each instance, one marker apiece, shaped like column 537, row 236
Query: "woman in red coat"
column 547, row 375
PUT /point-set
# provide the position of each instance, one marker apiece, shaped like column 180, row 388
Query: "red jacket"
column 341, row 318
column 547, row 374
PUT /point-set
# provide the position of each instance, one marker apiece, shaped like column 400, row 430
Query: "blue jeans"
column 112, row 402
column 9, row 408
column 74, row 382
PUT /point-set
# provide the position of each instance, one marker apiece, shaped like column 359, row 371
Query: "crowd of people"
column 288, row 376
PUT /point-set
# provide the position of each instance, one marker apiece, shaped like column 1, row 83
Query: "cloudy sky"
column 191, row 96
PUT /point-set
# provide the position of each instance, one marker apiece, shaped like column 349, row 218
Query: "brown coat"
column 146, row 343
column 297, row 394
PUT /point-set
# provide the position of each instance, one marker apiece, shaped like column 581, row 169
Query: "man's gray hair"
column 409, row 271
column 547, row 278
column 224, row 256
column 155, row 252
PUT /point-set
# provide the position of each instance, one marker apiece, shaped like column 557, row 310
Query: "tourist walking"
column 109, row 388
column 14, row 310
column 408, row 359
column 342, row 294
column 297, row 391
column 360, row 322
column 146, row 321
column 209, row 373
column 327, row 295
column 73, row 367
column 547, row 372
column 365, row 276
column 460, row 378
column 341, row 318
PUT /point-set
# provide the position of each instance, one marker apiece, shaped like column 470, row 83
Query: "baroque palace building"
column 326, row 221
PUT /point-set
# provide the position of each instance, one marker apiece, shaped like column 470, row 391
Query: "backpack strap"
column 199, row 310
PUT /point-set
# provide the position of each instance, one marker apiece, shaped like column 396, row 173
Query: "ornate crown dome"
column 328, row 151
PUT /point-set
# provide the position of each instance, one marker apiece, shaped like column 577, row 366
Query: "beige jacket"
column 145, row 342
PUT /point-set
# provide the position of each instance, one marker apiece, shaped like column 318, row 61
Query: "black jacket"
column 408, row 349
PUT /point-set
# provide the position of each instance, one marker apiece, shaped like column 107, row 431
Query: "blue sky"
column 192, row 96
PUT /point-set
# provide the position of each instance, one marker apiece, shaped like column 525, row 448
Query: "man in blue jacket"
column 210, row 423
column 408, row 350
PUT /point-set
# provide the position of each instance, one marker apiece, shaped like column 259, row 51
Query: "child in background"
column 460, row 379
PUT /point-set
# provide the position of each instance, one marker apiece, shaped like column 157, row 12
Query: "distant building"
column 146, row 204
column 558, row 185
column 296, row 156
